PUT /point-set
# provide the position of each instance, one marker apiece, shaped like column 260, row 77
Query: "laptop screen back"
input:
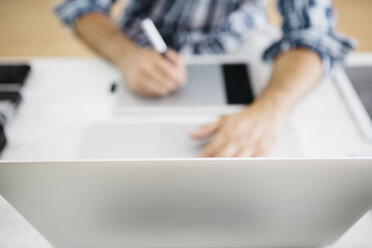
column 361, row 79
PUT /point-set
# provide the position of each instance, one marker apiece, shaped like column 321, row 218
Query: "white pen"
column 154, row 36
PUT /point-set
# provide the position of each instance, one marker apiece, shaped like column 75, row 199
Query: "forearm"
column 100, row 33
column 295, row 73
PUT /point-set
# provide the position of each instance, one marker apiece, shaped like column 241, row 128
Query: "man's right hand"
column 148, row 73
column 145, row 71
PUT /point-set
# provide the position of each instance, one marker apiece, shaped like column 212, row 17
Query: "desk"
column 62, row 96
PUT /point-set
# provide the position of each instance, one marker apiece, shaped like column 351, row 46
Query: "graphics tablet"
column 209, row 87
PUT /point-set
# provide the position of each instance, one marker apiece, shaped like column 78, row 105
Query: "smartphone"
column 14, row 97
column 3, row 140
column 14, row 74
column 238, row 83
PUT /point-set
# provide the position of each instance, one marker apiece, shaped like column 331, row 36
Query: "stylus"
column 154, row 36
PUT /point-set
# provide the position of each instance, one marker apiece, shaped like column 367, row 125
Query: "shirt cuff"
column 70, row 10
column 331, row 47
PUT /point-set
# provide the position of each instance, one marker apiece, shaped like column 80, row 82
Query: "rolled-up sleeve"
column 311, row 24
column 70, row 10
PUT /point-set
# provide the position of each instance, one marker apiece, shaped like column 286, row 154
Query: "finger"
column 179, row 62
column 175, row 57
column 142, row 91
column 263, row 151
column 149, row 91
column 206, row 130
column 159, row 79
column 155, row 89
column 265, row 147
column 245, row 152
column 160, row 73
column 260, row 153
column 151, row 87
column 227, row 151
column 213, row 147
column 170, row 70
column 139, row 89
column 151, row 78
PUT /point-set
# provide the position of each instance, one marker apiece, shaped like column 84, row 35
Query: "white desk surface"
column 62, row 96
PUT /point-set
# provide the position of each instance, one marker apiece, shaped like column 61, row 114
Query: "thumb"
column 206, row 130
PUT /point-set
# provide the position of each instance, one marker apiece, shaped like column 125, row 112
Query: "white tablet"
column 211, row 88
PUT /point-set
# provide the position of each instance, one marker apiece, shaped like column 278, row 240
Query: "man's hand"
column 145, row 71
column 148, row 73
column 251, row 132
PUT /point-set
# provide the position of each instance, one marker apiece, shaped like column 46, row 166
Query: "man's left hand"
column 249, row 133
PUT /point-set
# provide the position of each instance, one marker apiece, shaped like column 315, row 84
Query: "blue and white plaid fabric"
column 219, row 26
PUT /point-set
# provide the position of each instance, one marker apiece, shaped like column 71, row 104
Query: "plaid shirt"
column 219, row 26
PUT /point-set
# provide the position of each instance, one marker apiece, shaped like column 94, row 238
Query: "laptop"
column 190, row 202
column 355, row 85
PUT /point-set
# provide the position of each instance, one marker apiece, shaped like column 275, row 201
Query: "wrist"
column 125, row 52
column 273, row 103
column 126, row 56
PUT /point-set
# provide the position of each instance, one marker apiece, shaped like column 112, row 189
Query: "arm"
column 98, row 30
column 295, row 73
column 145, row 71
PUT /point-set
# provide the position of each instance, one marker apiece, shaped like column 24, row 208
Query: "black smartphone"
column 14, row 97
column 14, row 74
column 238, row 84
column 3, row 140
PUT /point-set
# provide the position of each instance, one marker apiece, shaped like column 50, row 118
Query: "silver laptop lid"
column 190, row 203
